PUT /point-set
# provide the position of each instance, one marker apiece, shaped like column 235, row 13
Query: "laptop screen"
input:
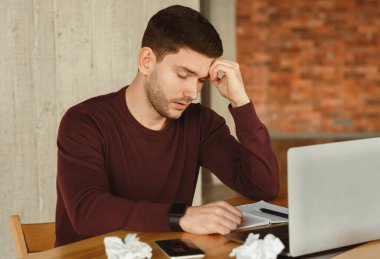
column 333, row 195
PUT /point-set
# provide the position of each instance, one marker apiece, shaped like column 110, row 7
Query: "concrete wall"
column 54, row 54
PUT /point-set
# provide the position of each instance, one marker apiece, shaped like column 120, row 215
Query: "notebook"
column 333, row 198
column 253, row 216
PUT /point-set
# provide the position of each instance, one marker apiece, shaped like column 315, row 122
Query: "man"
column 130, row 159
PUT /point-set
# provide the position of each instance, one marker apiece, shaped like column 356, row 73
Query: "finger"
column 225, row 213
column 233, row 217
column 223, row 230
column 215, row 67
column 226, row 62
column 230, row 224
column 220, row 226
column 231, row 208
column 227, row 70
column 213, row 72
column 226, row 223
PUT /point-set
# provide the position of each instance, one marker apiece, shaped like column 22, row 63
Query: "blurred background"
column 311, row 67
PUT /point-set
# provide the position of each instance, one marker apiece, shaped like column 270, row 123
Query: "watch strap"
column 176, row 211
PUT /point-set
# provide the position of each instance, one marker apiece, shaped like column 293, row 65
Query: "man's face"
column 176, row 81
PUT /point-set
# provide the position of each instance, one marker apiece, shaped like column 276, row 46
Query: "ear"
column 146, row 60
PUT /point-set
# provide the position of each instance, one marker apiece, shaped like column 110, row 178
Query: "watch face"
column 177, row 209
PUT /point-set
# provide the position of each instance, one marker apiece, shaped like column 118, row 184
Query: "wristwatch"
column 176, row 211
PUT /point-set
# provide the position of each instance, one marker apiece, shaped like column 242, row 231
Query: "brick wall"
column 312, row 65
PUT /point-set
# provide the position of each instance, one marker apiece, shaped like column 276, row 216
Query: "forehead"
column 190, row 60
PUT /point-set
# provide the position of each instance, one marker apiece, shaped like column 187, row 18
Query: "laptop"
column 333, row 198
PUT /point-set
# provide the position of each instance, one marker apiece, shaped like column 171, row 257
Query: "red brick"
column 312, row 66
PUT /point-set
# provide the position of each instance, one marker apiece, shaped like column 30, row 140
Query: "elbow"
column 86, row 228
column 81, row 230
column 268, row 193
column 272, row 182
column 271, row 192
column 265, row 190
column 96, row 215
column 86, row 224
column 268, row 187
column 82, row 227
column 273, row 185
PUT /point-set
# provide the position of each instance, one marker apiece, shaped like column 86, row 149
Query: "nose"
column 192, row 89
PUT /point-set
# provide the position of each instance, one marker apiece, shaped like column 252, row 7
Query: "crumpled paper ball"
column 131, row 248
column 255, row 248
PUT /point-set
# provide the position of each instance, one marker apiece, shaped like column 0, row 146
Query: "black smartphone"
column 179, row 248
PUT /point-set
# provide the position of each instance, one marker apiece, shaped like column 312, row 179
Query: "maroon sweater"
column 113, row 173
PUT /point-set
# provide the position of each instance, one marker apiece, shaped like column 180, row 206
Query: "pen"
column 284, row 215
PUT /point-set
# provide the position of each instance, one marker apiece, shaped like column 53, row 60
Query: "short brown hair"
column 178, row 26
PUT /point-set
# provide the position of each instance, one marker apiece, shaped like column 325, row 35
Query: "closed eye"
column 182, row 76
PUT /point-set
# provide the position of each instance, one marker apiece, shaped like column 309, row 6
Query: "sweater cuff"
column 245, row 116
column 149, row 216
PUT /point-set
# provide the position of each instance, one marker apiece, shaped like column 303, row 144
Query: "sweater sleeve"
column 85, row 187
column 249, row 167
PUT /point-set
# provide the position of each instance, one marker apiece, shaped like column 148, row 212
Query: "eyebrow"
column 191, row 72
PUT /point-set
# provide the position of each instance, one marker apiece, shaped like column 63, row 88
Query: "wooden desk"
column 215, row 246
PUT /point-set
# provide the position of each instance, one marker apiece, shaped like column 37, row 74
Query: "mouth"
column 181, row 105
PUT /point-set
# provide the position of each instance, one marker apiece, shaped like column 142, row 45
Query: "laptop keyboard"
column 281, row 231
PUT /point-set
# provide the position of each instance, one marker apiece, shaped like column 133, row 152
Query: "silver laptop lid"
column 334, row 195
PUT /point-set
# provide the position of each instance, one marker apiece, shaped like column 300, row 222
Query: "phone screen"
column 179, row 248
